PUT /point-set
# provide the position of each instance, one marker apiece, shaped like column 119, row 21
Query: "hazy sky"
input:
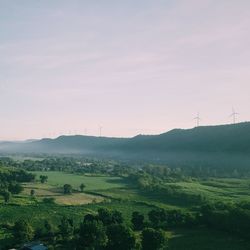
column 131, row 66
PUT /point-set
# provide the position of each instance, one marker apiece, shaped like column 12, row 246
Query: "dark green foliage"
column 15, row 188
column 120, row 237
column 82, row 186
column 8, row 175
column 161, row 218
column 155, row 187
column 137, row 220
column 23, row 231
column 109, row 216
column 32, row 192
column 92, row 235
column 9, row 181
column 157, row 217
column 66, row 228
column 49, row 200
column 153, row 239
column 234, row 219
column 67, row 189
column 90, row 218
column 48, row 226
column 45, row 231
column 6, row 196
column 69, row 164
column 43, row 178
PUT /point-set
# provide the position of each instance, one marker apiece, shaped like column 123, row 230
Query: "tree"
column 49, row 232
column 23, row 231
column 66, row 228
column 110, row 216
column 153, row 239
column 117, row 217
column 49, row 200
column 6, row 196
column 90, row 218
column 43, row 178
column 92, row 235
column 120, row 237
column 157, row 217
column 48, row 226
column 32, row 192
column 82, row 186
column 15, row 188
column 67, row 189
column 137, row 220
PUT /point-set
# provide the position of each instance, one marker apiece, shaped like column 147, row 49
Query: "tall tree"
column 43, row 178
column 120, row 237
column 110, row 216
column 153, row 239
column 82, row 186
column 32, row 192
column 15, row 188
column 66, row 228
column 23, row 231
column 67, row 189
column 137, row 220
column 6, row 196
column 92, row 235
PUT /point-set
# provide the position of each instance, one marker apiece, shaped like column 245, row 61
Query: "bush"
column 49, row 200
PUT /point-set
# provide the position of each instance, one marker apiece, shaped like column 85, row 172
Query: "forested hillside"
column 206, row 145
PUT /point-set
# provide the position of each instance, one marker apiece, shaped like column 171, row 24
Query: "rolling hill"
column 223, row 144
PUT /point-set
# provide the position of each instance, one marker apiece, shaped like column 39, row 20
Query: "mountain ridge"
column 199, row 142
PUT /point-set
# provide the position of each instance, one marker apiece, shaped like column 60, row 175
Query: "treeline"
column 14, row 174
column 232, row 218
column 107, row 230
column 185, row 172
column 69, row 164
column 104, row 230
column 156, row 187
column 110, row 167
column 10, row 181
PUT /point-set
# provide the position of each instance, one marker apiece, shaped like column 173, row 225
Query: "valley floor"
column 117, row 193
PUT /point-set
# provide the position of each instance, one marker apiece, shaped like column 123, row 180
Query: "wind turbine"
column 234, row 115
column 100, row 131
column 198, row 119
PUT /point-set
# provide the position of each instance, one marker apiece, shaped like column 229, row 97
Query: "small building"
column 34, row 246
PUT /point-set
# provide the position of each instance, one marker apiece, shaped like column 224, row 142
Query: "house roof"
column 34, row 246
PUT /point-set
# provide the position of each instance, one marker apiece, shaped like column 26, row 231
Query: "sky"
column 131, row 67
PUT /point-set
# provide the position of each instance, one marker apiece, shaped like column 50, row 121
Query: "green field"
column 227, row 190
column 116, row 193
column 92, row 182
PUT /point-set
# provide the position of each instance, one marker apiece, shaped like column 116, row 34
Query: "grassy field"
column 92, row 182
column 227, row 190
column 48, row 191
column 132, row 194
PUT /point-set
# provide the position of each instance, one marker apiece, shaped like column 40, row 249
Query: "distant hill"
column 222, row 144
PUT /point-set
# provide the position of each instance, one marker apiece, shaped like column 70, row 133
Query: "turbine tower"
column 234, row 115
column 198, row 119
column 100, row 131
